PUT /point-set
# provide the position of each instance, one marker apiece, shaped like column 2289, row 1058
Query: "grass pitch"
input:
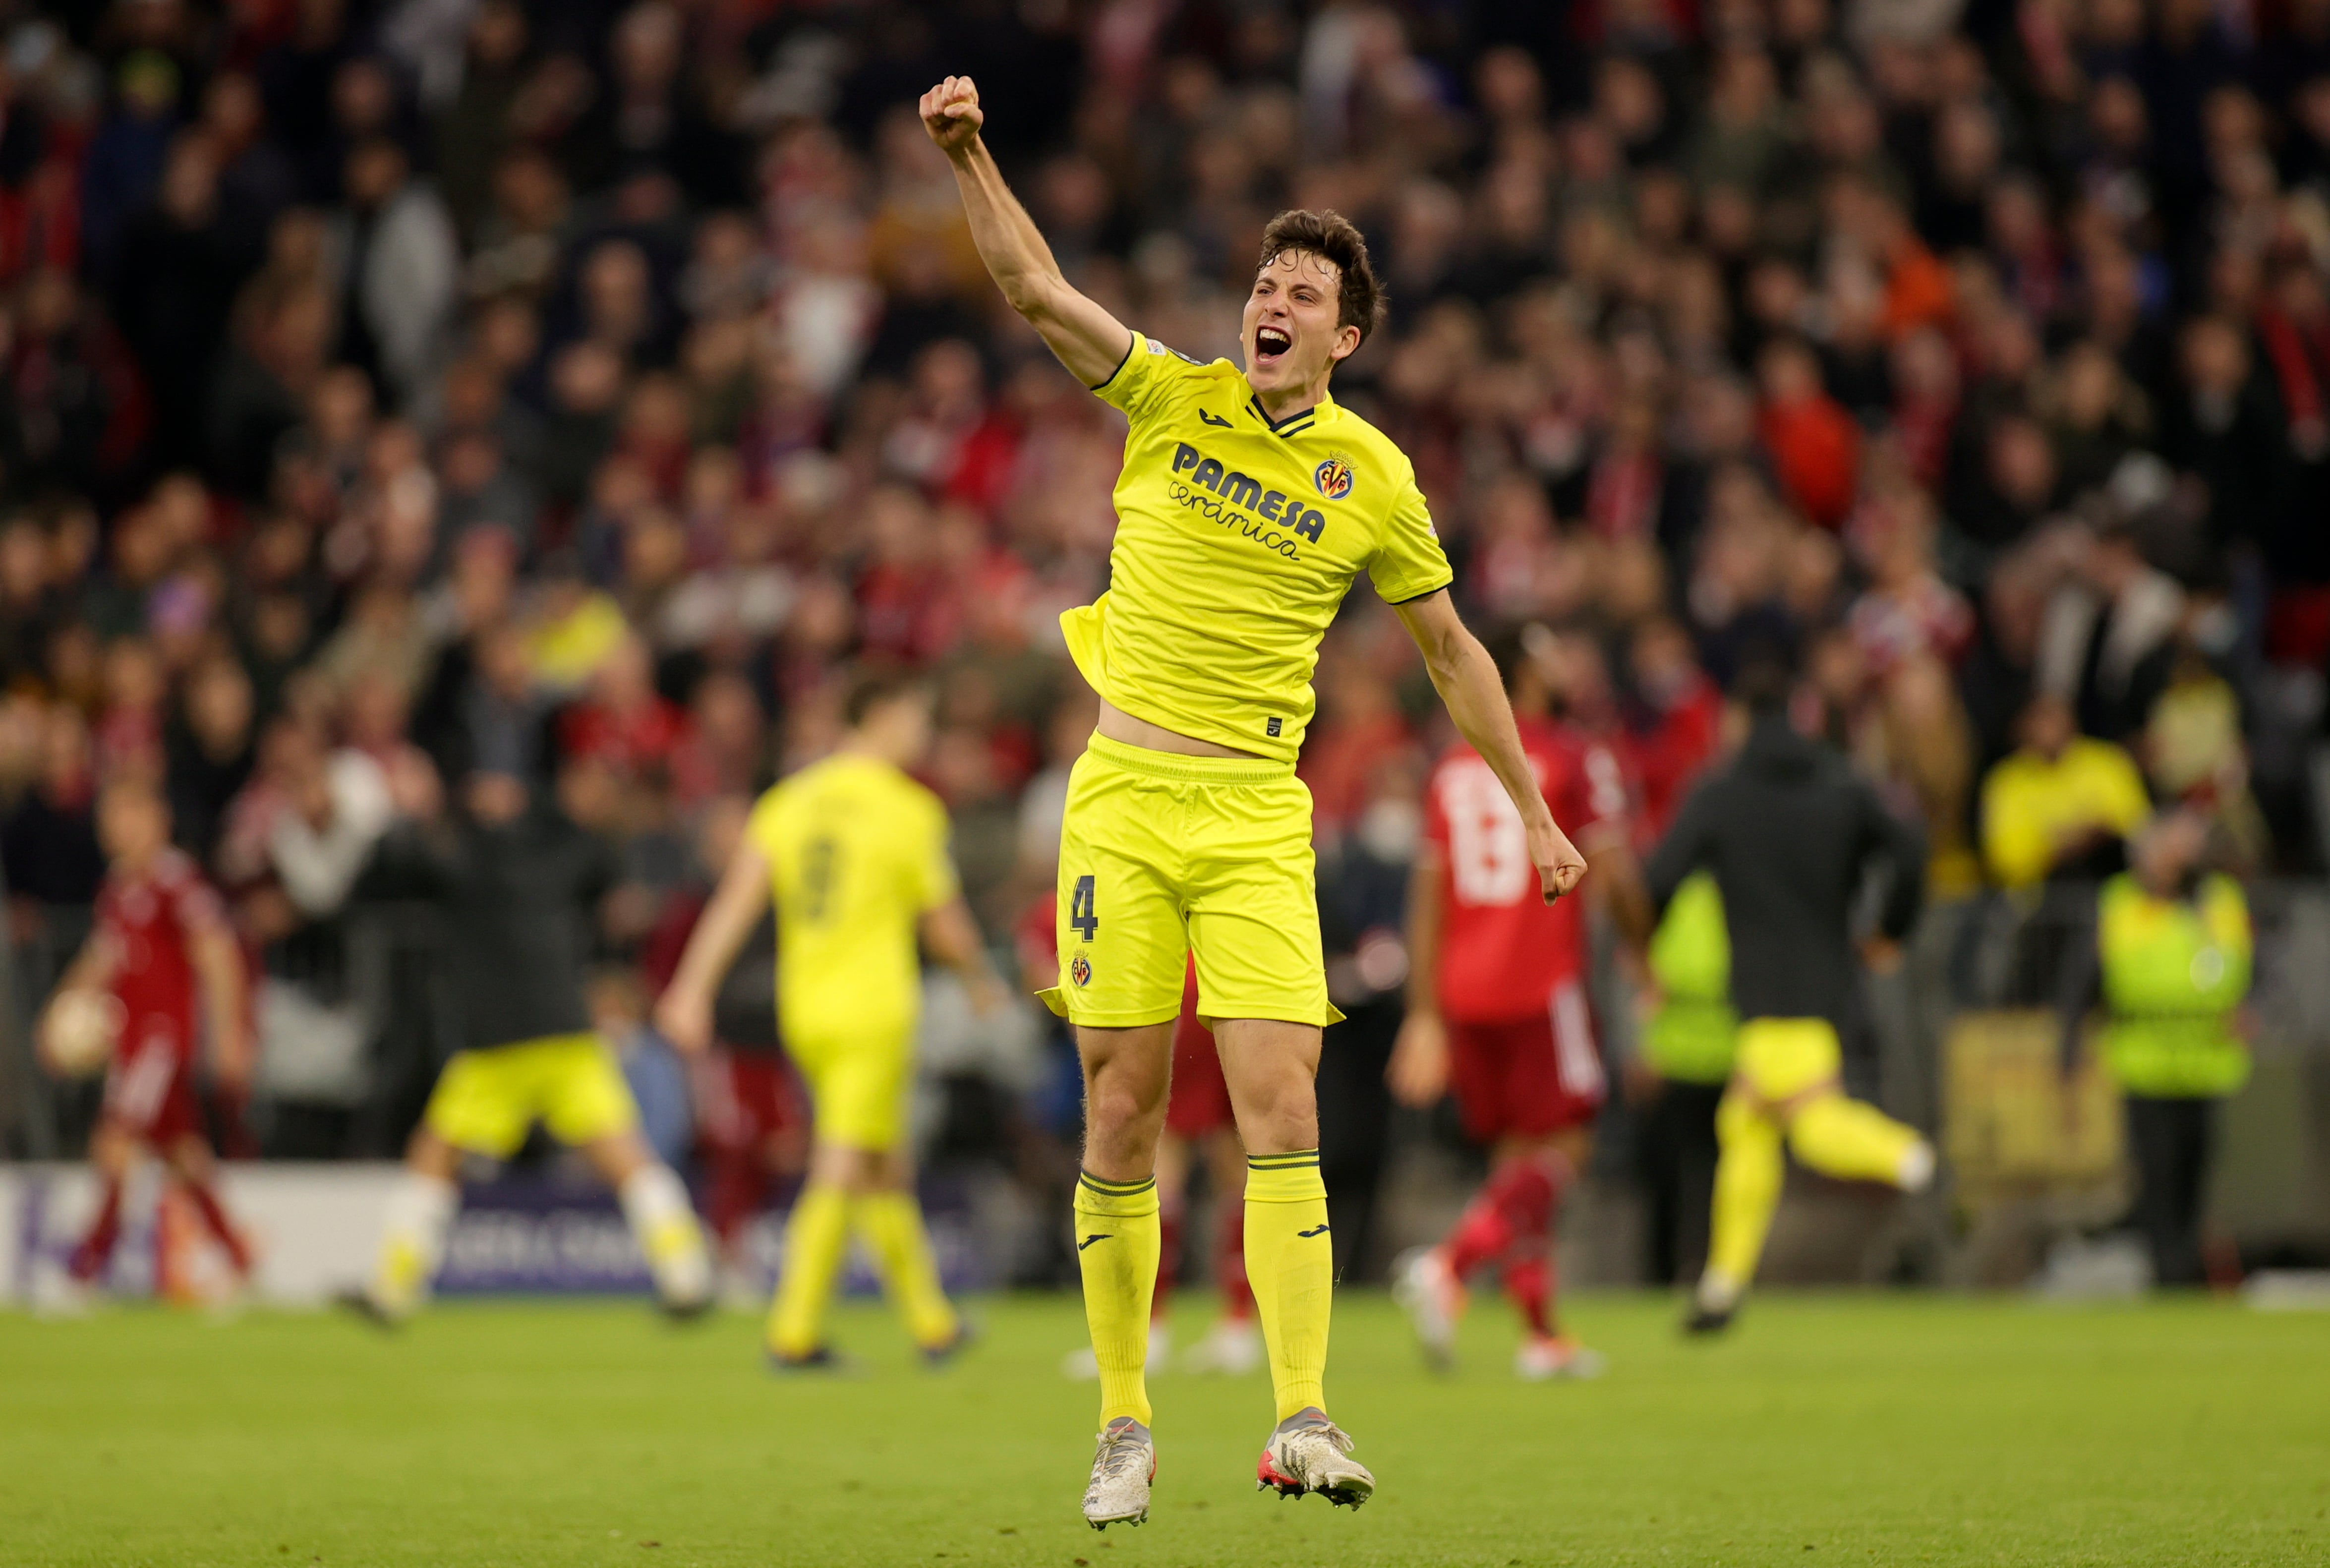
column 1826, row 1430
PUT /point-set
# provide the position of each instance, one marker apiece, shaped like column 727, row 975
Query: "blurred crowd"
column 578, row 390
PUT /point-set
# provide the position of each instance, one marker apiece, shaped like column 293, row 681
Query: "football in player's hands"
column 951, row 113
column 79, row 1031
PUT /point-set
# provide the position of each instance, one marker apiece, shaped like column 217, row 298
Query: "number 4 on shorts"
column 1083, row 910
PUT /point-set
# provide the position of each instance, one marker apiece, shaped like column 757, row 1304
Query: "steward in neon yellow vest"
column 2174, row 972
column 1690, row 1039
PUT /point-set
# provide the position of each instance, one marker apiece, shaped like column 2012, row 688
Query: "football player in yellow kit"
column 1249, row 500
column 854, row 853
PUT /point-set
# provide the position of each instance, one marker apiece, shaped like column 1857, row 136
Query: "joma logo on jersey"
column 1247, row 493
column 1333, row 478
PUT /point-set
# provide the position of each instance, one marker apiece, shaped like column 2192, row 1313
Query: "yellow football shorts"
column 1161, row 855
column 1782, row 1058
column 858, row 1085
column 485, row 1100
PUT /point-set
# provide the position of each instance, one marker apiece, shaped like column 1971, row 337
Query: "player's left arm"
column 219, row 972
column 950, row 936
column 1466, row 679
column 1900, row 847
column 949, row 932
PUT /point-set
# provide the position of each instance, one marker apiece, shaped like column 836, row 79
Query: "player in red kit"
column 161, row 946
column 1498, row 1012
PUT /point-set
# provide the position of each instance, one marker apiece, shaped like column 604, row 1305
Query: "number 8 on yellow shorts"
column 1161, row 855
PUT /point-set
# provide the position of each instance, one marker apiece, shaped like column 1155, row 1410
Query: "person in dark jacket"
column 1789, row 832
column 518, row 885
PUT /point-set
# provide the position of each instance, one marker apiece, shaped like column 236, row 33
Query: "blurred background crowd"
column 580, row 390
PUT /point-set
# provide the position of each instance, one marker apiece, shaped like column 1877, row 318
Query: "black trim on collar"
column 1293, row 422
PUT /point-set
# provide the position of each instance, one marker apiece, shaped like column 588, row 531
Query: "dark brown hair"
column 1331, row 237
column 872, row 686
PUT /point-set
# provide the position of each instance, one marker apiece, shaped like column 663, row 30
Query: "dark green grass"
column 1827, row 1430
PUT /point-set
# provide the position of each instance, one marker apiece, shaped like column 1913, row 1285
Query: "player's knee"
column 431, row 1155
column 189, row 1159
column 1278, row 1114
column 1125, row 1103
column 111, row 1151
column 1738, row 1117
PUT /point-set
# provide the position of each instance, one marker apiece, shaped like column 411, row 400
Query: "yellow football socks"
column 1747, row 1172
column 1118, row 1238
column 420, row 1213
column 1290, row 1262
column 891, row 1226
column 814, row 1239
column 656, row 1207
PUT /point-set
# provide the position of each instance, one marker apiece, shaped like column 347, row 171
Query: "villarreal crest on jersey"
column 1236, row 540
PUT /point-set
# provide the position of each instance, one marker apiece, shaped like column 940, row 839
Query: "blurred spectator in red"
column 1678, row 720
column 1815, row 446
column 622, row 721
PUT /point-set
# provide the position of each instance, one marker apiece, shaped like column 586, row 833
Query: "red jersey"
column 146, row 921
column 1504, row 951
column 1668, row 751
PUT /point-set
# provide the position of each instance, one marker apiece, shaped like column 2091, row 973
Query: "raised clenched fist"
column 951, row 113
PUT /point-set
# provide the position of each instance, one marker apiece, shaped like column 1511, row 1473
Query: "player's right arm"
column 91, row 969
column 1087, row 339
column 1418, row 1072
column 683, row 1012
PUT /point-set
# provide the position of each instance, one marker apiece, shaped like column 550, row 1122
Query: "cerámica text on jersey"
column 1240, row 491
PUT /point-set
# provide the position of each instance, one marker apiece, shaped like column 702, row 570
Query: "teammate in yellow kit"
column 855, row 853
column 1248, row 502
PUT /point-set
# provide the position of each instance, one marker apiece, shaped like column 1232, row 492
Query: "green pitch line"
column 1838, row 1430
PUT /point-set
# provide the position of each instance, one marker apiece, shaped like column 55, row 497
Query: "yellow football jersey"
column 856, row 853
column 1236, row 540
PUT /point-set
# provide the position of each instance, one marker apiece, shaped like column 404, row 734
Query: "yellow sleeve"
column 935, row 882
column 1409, row 563
column 2014, row 841
column 1144, row 384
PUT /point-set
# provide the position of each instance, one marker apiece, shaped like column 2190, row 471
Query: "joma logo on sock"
column 1320, row 1230
column 1088, row 1241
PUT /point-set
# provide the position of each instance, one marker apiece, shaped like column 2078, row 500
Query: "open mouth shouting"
column 1271, row 344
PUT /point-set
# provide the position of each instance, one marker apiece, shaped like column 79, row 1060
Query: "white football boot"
column 1543, row 1360
column 1433, row 1299
column 1310, row 1453
column 1232, row 1347
column 1123, row 1466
